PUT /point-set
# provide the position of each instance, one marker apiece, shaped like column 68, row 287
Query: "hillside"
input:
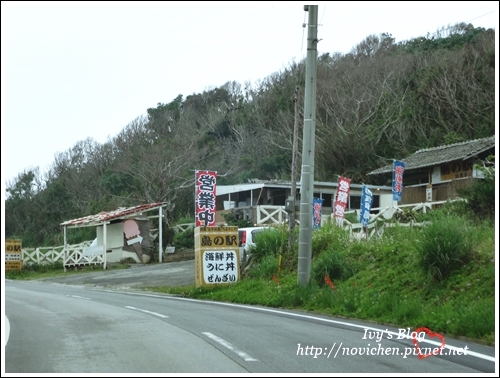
column 382, row 101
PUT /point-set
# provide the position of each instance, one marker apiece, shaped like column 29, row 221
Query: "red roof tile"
column 110, row 215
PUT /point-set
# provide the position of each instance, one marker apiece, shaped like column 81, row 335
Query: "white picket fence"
column 183, row 227
column 357, row 232
column 276, row 215
column 72, row 255
column 374, row 230
column 42, row 255
column 83, row 254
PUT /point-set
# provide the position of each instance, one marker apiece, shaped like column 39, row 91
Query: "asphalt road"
column 138, row 276
column 57, row 328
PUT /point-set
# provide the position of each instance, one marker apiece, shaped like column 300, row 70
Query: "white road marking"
column 148, row 312
column 229, row 346
column 77, row 296
column 447, row 346
column 7, row 330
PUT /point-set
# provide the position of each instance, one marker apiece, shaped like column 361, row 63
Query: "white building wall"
column 115, row 243
column 114, row 235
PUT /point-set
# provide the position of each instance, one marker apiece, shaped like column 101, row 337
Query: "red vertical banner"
column 205, row 182
column 341, row 199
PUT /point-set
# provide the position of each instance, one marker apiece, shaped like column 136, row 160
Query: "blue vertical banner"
column 366, row 205
column 397, row 180
column 317, row 206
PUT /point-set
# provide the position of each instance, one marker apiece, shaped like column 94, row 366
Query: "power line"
column 481, row 16
column 303, row 31
column 321, row 21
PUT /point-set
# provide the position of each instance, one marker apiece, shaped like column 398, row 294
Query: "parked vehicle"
column 246, row 238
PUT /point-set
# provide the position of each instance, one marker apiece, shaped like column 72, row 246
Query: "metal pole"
column 105, row 244
column 64, row 249
column 309, row 132
column 160, row 242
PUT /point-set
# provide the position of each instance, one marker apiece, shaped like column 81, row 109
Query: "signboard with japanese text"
column 366, row 205
column 220, row 266
column 455, row 170
column 341, row 199
column 205, row 195
column 428, row 193
column 216, row 255
column 397, row 180
column 219, row 237
column 317, row 205
column 13, row 254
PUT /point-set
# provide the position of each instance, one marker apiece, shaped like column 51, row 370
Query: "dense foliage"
column 481, row 196
column 381, row 101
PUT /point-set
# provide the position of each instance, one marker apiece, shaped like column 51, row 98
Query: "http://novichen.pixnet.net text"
column 375, row 347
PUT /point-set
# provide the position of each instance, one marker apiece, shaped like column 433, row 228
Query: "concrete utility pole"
column 291, row 225
column 307, row 178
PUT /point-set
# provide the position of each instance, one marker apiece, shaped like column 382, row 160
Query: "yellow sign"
column 13, row 254
column 218, row 240
column 216, row 255
column 455, row 170
column 219, row 229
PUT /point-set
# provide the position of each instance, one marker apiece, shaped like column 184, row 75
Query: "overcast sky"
column 73, row 70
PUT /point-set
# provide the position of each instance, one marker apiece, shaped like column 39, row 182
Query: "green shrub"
column 269, row 243
column 333, row 263
column 445, row 246
column 234, row 219
column 185, row 239
column 481, row 196
column 266, row 268
column 328, row 236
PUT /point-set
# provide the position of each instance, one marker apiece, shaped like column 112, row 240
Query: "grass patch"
column 446, row 246
column 381, row 280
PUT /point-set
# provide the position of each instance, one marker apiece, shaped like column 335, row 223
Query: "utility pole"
column 309, row 135
column 291, row 225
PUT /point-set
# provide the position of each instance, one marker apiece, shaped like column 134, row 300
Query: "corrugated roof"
column 433, row 156
column 104, row 216
column 256, row 184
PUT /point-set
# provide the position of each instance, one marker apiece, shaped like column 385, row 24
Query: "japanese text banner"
column 341, row 199
column 317, row 206
column 366, row 205
column 397, row 180
column 205, row 195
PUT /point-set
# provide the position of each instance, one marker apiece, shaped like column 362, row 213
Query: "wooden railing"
column 43, row 255
column 374, row 229
column 183, row 227
column 72, row 255
column 83, row 254
column 271, row 214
